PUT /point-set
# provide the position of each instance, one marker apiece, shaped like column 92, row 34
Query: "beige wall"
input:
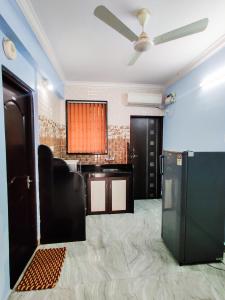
column 53, row 107
column 118, row 113
column 52, row 117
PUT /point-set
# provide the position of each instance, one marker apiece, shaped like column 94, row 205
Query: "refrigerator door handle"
column 161, row 162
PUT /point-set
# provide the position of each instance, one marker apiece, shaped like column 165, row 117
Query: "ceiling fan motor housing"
column 143, row 43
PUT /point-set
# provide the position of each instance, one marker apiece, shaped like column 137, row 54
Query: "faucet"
column 80, row 164
column 110, row 158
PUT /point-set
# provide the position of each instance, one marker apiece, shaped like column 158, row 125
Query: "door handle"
column 161, row 162
column 16, row 178
column 27, row 179
column 132, row 154
column 29, row 182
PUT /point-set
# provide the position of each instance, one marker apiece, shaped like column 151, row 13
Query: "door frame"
column 14, row 80
column 159, row 189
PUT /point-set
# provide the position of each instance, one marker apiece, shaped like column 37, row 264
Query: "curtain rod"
column 86, row 101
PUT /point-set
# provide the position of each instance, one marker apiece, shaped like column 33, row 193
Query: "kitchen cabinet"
column 97, row 191
column 109, row 193
column 119, row 193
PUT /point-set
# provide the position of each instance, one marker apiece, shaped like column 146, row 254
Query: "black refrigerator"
column 193, row 205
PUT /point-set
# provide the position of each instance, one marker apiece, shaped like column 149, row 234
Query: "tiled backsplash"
column 54, row 135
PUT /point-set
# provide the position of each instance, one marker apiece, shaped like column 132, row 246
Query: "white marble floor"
column 124, row 258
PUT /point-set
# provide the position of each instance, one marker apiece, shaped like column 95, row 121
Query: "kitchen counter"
column 107, row 168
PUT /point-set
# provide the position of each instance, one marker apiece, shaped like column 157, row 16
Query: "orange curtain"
column 86, row 127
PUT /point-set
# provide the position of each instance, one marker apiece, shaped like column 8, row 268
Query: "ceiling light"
column 50, row 87
column 214, row 79
column 47, row 84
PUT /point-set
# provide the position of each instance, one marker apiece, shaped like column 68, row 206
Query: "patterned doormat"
column 44, row 270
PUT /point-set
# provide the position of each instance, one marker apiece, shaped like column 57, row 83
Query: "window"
column 86, row 127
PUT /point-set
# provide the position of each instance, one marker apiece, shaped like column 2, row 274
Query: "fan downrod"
column 143, row 16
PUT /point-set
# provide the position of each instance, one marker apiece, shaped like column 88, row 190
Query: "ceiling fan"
column 143, row 42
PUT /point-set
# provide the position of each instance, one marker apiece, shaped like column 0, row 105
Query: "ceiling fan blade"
column 110, row 19
column 182, row 31
column 134, row 58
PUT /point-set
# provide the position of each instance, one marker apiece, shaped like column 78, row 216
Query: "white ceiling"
column 89, row 50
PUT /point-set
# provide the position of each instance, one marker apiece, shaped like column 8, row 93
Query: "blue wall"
column 15, row 26
column 30, row 60
column 27, row 73
column 197, row 120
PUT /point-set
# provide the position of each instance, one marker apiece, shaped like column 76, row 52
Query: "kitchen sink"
column 110, row 170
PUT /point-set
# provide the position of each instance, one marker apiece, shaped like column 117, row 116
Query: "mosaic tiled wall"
column 54, row 135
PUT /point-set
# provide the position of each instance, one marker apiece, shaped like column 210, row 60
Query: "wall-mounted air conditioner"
column 144, row 99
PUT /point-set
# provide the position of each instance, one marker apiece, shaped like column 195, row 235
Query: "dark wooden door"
column 145, row 149
column 20, row 174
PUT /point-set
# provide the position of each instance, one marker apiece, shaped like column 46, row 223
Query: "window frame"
column 106, row 122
